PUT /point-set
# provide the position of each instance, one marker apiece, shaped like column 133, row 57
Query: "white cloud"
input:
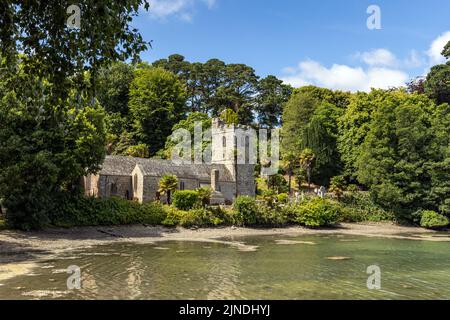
column 414, row 60
column 183, row 9
column 378, row 57
column 436, row 48
column 342, row 77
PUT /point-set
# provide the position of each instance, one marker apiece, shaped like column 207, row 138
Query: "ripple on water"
column 290, row 268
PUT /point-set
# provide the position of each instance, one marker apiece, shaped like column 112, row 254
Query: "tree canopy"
column 157, row 103
column 51, row 126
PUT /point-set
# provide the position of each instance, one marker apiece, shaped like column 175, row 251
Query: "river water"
column 269, row 267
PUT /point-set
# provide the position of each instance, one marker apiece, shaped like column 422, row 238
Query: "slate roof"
column 124, row 166
column 119, row 166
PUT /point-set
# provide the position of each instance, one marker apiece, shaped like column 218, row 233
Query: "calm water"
column 274, row 270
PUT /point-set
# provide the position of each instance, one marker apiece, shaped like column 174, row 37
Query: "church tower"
column 235, row 147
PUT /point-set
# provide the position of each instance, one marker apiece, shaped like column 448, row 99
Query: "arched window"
column 224, row 146
column 113, row 189
column 247, row 150
column 135, row 184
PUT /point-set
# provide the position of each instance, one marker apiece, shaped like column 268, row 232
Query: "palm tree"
column 337, row 186
column 307, row 158
column 167, row 185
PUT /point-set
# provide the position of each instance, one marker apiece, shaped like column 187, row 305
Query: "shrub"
column 204, row 195
column 246, row 210
column 278, row 183
column 270, row 216
column 3, row 224
column 433, row 220
column 186, row 200
column 82, row 211
column 283, row 198
column 153, row 213
column 359, row 207
column 316, row 213
column 173, row 217
column 197, row 217
column 352, row 188
column 191, row 218
column 269, row 197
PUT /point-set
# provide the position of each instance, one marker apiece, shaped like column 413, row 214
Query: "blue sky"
column 326, row 42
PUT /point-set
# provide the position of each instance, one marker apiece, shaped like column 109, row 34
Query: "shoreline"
column 20, row 252
column 59, row 239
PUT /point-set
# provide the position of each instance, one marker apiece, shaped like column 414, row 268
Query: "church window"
column 113, row 189
column 135, row 183
column 224, row 146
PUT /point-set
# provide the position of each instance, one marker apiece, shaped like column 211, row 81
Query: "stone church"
column 138, row 179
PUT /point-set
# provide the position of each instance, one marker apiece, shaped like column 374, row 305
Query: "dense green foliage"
column 246, row 210
column 433, row 220
column 200, row 217
column 45, row 147
column 437, row 85
column 403, row 148
column 157, row 103
column 51, row 126
column 168, row 185
column 188, row 124
column 393, row 142
column 81, row 211
column 215, row 86
column 315, row 213
column 360, row 207
column 53, row 51
column 186, row 199
column 310, row 122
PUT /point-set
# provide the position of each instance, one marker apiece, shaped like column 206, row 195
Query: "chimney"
column 215, row 180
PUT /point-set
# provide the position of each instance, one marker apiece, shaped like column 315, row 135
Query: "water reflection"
column 264, row 268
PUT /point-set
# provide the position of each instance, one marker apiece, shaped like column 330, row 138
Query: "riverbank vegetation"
column 67, row 102
column 188, row 210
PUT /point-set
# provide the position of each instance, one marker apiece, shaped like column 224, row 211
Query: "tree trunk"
column 168, row 197
column 308, row 173
column 290, row 182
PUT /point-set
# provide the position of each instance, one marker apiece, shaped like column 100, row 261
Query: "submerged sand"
column 20, row 251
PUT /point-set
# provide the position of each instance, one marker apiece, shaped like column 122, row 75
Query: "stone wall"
column 90, row 185
column 115, row 186
column 246, row 180
column 137, row 180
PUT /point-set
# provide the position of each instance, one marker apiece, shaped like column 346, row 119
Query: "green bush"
column 3, row 224
column 270, row 216
column 186, row 199
column 82, row 211
column 246, row 211
column 359, row 207
column 200, row 217
column 269, row 197
column 173, row 217
column 283, row 198
column 433, row 220
column 315, row 213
